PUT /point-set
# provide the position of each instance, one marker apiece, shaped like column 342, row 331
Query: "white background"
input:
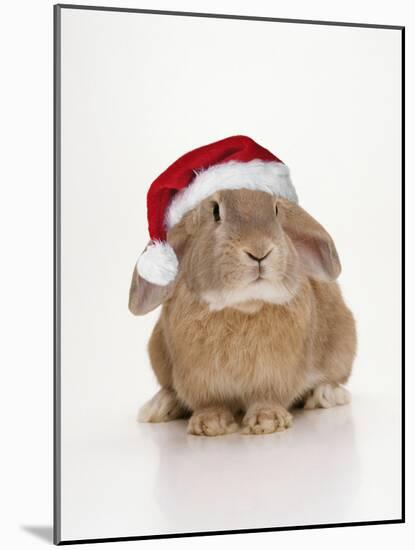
column 28, row 348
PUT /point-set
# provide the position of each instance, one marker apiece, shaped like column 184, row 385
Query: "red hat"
column 237, row 162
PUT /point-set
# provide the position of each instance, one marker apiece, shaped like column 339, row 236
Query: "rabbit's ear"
column 145, row 296
column 315, row 247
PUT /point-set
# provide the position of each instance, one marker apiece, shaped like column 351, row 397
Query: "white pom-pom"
column 158, row 264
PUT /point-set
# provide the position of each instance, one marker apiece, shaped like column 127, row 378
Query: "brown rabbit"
column 253, row 323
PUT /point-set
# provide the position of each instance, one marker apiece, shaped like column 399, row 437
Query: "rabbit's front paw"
column 212, row 421
column 266, row 419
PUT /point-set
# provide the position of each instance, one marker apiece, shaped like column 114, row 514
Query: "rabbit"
column 254, row 323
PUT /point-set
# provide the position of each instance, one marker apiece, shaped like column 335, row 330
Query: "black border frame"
column 57, row 8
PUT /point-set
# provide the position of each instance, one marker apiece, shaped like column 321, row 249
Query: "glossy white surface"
column 335, row 465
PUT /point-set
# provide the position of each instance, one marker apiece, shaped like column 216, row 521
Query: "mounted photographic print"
column 228, row 274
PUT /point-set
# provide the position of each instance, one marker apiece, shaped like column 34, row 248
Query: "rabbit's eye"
column 216, row 212
column 276, row 209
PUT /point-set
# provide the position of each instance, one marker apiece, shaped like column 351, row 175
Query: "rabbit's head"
column 241, row 248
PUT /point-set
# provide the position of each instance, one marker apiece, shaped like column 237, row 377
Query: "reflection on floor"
column 333, row 466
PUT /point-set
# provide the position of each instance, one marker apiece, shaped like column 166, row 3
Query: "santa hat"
column 237, row 162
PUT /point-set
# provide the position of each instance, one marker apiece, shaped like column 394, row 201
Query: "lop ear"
column 315, row 247
column 145, row 296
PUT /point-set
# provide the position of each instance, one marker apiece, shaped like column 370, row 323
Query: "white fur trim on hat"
column 257, row 175
column 158, row 264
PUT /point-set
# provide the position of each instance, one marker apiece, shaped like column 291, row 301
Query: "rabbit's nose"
column 256, row 258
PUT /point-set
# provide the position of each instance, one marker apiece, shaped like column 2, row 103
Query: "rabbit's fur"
column 228, row 343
